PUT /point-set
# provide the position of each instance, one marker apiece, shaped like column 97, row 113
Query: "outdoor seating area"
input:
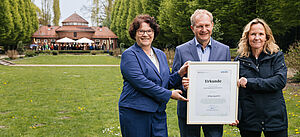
column 70, row 44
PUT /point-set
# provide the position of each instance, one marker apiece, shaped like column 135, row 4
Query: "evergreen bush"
column 55, row 52
column 30, row 53
column 20, row 47
column 292, row 60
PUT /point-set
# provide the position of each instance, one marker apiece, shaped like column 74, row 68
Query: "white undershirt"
column 154, row 59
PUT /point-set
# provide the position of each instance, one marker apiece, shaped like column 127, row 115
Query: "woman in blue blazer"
column 147, row 79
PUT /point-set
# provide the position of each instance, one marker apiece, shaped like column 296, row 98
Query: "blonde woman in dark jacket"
column 262, row 77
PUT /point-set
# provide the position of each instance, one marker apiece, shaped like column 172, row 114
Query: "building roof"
column 75, row 29
column 46, row 32
column 103, row 32
column 75, row 18
column 52, row 31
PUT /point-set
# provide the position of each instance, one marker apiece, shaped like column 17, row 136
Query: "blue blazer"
column 144, row 87
column 188, row 52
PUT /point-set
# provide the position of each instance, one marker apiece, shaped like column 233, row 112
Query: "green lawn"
column 62, row 101
column 80, row 101
column 71, row 60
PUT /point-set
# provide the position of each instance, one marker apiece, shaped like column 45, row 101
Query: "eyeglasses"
column 142, row 32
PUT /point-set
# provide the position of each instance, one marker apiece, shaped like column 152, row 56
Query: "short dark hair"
column 138, row 20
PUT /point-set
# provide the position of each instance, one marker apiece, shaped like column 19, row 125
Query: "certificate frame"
column 212, row 92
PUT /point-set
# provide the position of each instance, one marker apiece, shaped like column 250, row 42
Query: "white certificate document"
column 212, row 92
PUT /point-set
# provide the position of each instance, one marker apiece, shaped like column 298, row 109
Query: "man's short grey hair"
column 201, row 12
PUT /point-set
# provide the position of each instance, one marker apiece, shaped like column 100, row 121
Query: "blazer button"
column 262, row 123
column 263, row 128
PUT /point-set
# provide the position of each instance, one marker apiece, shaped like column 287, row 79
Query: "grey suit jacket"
column 188, row 52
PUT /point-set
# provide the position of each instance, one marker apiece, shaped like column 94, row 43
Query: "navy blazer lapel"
column 212, row 50
column 160, row 59
column 193, row 49
column 146, row 59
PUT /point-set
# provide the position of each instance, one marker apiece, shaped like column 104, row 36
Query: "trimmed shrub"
column 93, row 52
column 116, row 52
column 55, row 52
column 12, row 54
column 292, row 59
column 30, row 53
column 47, row 52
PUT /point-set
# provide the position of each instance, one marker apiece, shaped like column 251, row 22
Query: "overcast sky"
column 68, row 7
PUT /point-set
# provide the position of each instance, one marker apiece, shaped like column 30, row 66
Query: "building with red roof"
column 75, row 27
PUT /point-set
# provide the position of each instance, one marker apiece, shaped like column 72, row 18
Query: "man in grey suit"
column 201, row 48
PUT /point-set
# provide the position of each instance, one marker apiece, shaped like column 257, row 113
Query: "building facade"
column 75, row 27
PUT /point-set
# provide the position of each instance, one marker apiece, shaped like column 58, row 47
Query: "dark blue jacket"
column 145, row 88
column 261, row 103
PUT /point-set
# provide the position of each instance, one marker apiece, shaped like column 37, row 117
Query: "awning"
column 65, row 40
column 84, row 40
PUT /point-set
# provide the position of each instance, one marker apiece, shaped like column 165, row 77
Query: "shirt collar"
column 198, row 44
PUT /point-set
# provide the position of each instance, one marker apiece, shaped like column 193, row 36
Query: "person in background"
column 201, row 48
column 147, row 78
column 52, row 47
column 263, row 75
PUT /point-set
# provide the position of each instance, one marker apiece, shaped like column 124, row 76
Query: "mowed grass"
column 59, row 101
column 81, row 101
column 71, row 60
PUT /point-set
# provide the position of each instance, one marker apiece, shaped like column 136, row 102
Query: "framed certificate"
column 212, row 92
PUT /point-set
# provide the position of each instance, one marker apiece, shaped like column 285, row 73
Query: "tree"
column 166, row 37
column 288, row 23
column 56, row 12
column 123, row 24
column 138, row 7
column 118, row 19
column 15, row 35
column 233, row 15
column 115, row 13
column 20, row 47
column 32, row 20
column 101, row 12
column 30, row 29
column 217, row 33
column 24, row 32
column 151, row 7
column 131, row 16
column 230, row 17
column 95, row 13
column 6, row 22
column 34, row 10
column 108, row 12
column 174, row 20
column 45, row 18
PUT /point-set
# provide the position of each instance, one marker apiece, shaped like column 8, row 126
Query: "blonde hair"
column 201, row 12
column 270, row 46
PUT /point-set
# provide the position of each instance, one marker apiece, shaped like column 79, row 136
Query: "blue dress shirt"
column 203, row 53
